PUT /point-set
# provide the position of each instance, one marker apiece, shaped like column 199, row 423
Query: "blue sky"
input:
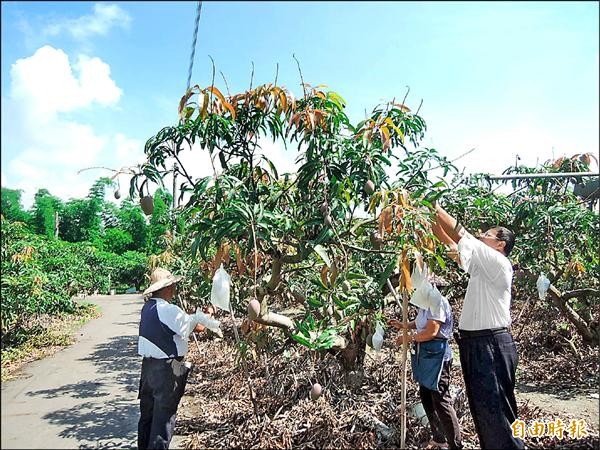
column 86, row 84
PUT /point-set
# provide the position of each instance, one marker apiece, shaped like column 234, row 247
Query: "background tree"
column 116, row 240
column 558, row 234
column 132, row 220
column 160, row 221
column 11, row 206
column 82, row 218
column 44, row 212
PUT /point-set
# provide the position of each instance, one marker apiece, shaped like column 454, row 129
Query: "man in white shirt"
column 163, row 342
column 488, row 354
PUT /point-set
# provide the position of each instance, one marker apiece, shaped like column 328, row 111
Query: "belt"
column 466, row 334
column 166, row 360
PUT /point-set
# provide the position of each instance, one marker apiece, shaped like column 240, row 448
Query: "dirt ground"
column 577, row 404
column 217, row 411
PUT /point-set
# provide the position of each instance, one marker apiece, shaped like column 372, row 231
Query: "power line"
column 198, row 11
column 524, row 176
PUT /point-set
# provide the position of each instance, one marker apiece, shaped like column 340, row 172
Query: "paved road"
column 84, row 396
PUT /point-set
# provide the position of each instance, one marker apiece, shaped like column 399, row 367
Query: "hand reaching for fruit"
column 395, row 323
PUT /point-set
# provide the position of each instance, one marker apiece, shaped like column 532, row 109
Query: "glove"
column 210, row 323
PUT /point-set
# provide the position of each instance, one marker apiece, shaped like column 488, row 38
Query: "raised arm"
column 442, row 236
column 446, row 228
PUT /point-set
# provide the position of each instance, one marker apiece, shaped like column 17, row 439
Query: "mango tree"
column 321, row 242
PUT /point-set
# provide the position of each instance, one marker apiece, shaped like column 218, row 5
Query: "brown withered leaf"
column 253, row 261
column 217, row 92
column 283, row 101
column 324, row 271
column 405, row 283
column 385, row 221
column 295, row 119
column 310, row 115
column 334, row 273
column 216, row 262
column 184, row 100
column 204, row 108
column 226, row 255
column 239, row 260
column 230, row 108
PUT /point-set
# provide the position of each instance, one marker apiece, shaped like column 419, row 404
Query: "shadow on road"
column 558, row 392
column 108, row 425
column 83, row 389
column 119, row 358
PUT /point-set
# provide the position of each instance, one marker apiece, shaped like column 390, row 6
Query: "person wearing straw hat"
column 163, row 343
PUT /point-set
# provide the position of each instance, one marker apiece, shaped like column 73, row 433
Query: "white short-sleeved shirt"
column 164, row 330
column 443, row 315
column 487, row 301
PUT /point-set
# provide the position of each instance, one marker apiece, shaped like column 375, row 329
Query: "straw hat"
column 159, row 279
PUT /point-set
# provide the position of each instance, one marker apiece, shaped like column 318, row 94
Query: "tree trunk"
column 580, row 324
column 404, row 369
column 352, row 359
column 560, row 301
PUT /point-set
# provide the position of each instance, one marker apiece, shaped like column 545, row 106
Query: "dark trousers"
column 162, row 384
column 440, row 412
column 489, row 363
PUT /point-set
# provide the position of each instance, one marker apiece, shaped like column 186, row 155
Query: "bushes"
column 41, row 275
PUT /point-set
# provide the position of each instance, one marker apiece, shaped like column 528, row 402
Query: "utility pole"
column 56, row 223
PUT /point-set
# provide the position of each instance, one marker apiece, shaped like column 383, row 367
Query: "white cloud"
column 50, row 148
column 46, row 84
column 535, row 139
column 104, row 17
column 127, row 151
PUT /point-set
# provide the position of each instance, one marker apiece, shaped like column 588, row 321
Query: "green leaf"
column 356, row 276
column 302, row 340
column 195, row 247
column 313, row 302
column 386, row 273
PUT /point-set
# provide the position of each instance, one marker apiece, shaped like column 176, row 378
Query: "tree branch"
column 275, row 275
column 185, row 174
column 560, row 302
column 366, row 250
column 293, row 259
column 580, row 293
